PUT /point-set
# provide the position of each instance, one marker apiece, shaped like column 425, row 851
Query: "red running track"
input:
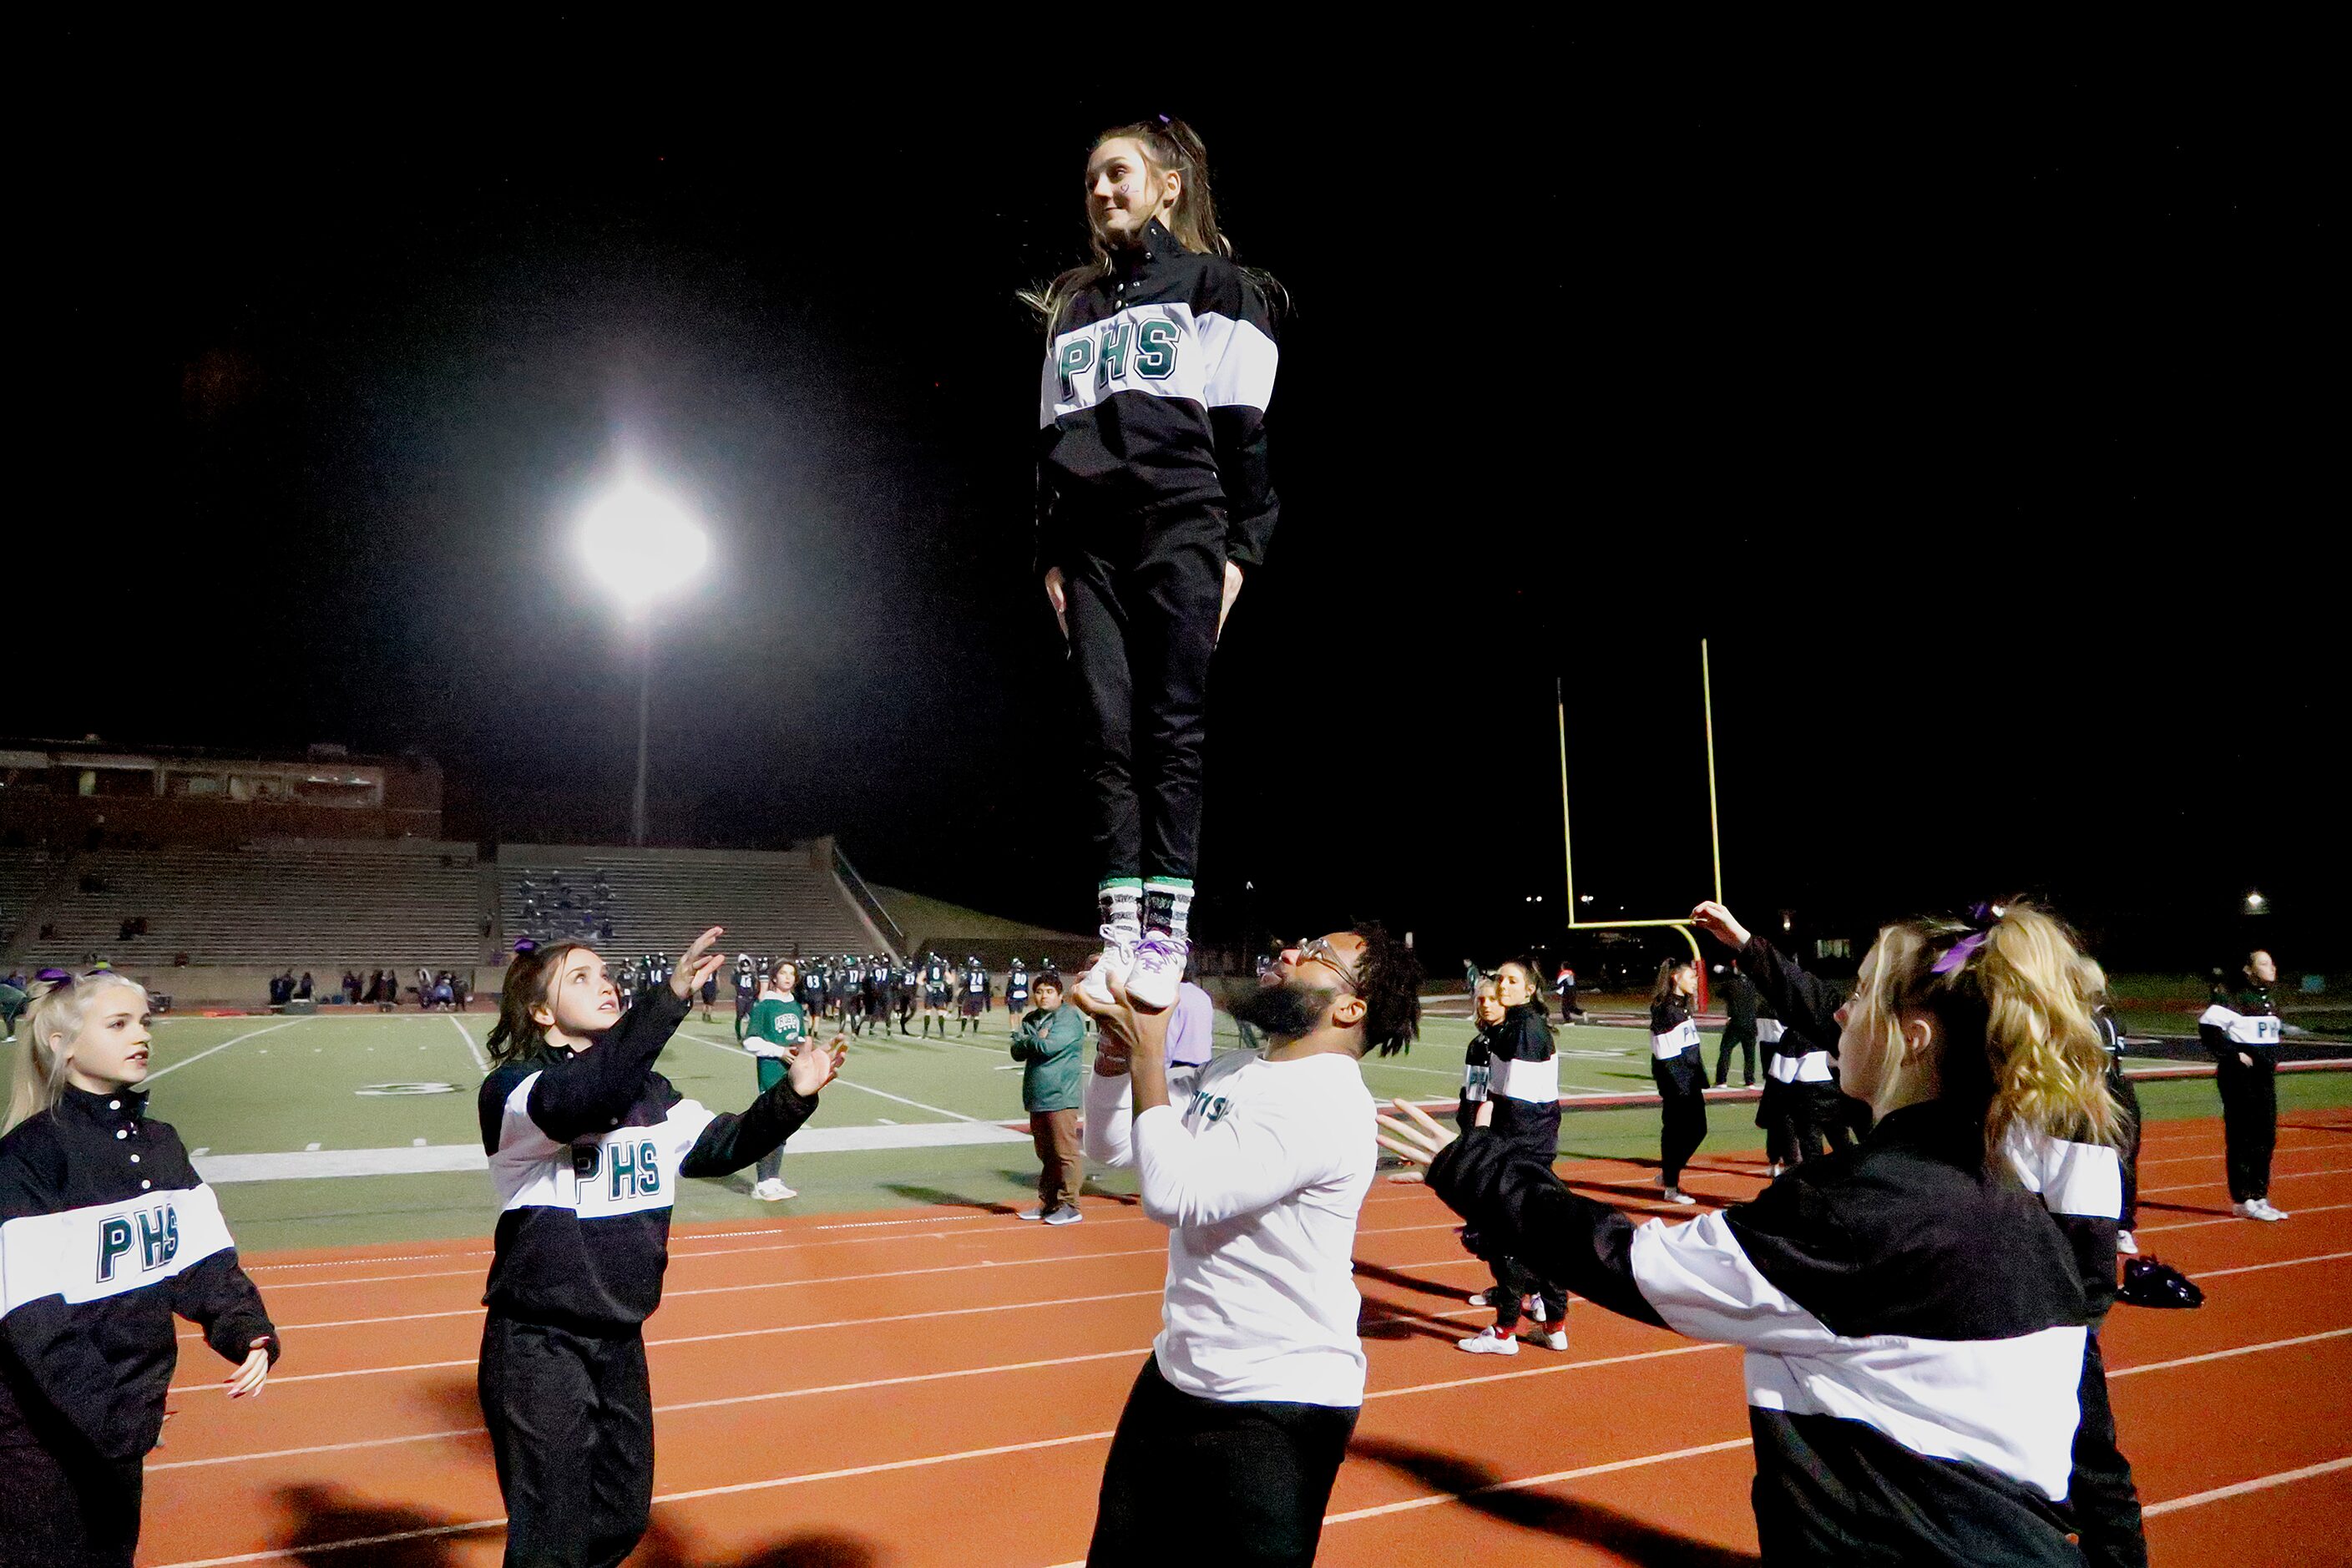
column 938, row 1389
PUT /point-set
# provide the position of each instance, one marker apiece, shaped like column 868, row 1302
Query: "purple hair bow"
column 1958, row 954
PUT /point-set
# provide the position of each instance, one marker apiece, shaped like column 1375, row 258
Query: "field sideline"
column 359, row 1129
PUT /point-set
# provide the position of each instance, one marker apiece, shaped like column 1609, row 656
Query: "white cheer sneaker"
column 1118, row 958
column 1159, row 970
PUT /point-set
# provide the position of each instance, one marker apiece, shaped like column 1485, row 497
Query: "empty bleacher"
column 656, row 901
column 24, row 875
column 314, row 902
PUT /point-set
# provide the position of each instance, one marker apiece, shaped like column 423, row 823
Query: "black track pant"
column 2128, row 1097
column 1143, row 595
column 58, row 1516
column 1256, row 1477
column 1682, row 1097
column 2249, row 1122
column 1512, row 1281
column 1743, row 1036
column 2105, row 1503
column 572, row 1428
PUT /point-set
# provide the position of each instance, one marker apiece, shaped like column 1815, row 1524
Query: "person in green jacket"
column 779, row 1026
column 1050, row 1044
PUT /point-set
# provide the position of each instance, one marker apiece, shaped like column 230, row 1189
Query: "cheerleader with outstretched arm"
column 1915, row 1325
column 586, row 1143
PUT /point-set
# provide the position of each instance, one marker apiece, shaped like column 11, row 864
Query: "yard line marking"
column 232, row 1040
column 480, row 1060
column 2282, row 1263
column 2116, row 1372
column 1556, row 1476
column 2240, row 1488
column 845, row 1082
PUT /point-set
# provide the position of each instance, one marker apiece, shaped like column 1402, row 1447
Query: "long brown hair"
column 1169, row 144
column 517, row 1033
column 1666, row 972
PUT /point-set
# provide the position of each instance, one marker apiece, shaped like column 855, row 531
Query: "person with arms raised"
column 586, row 1141
column 1256, row 1377
column 1916, row 1327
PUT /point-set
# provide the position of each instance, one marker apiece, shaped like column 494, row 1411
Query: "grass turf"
column 236, row 1086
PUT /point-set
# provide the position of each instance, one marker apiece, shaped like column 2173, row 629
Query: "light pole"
column 641, row 545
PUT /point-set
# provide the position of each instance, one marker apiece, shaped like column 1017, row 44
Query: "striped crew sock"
column 1120, row 901
column 1168, row 906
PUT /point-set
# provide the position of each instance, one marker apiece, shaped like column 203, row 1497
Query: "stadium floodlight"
column 643, row 546
column 2256, row 903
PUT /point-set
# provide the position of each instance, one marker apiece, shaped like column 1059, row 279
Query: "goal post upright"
column 1680, row 923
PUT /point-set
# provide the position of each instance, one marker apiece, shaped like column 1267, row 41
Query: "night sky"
column 1977, row 415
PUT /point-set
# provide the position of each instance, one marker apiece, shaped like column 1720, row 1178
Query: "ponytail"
column 2012, row 1002
column 1168, row 143
column 517, row 1033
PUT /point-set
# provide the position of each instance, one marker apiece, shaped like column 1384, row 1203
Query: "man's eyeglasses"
column 1320, row 951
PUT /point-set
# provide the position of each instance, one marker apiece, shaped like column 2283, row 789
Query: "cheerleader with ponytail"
column 586, row 1143
column 1922, row 1376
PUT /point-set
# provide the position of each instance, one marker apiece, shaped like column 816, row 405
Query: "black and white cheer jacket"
column 1673, row 1029
column 2080, row 1183
column 2244, row 1020
column 1523, row 1080
column 1915, row 1328
column 587, row 1150
column 105, row 1233
column 1156, row 381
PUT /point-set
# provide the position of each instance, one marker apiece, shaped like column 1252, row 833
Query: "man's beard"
column 1286, row 1011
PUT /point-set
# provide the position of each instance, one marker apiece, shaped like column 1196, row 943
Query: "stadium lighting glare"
column 641, row 545
column 2256, row 903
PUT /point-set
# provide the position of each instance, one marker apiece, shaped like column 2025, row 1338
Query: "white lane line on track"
column 1554, row 1479
column 2282, row 1263
column 929, row 1460
column 801, row 1328
column 2116, row 1372
column 1132, row 1353
column 839, row 1082
column 2233, row 1219
column 480, row 1060
column 2282, row 1150
column 232, row 1040
column 1003, row 1221
column 2279, row 1176
column 2240, row 1488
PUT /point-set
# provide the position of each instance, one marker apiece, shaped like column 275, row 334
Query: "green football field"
column 335, row 1131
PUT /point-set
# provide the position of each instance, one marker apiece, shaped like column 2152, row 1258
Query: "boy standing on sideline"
column 779, row 1026
column 1049, row 1045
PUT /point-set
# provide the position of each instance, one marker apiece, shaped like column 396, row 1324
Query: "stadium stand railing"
column 314, row 903
column 654, row 901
